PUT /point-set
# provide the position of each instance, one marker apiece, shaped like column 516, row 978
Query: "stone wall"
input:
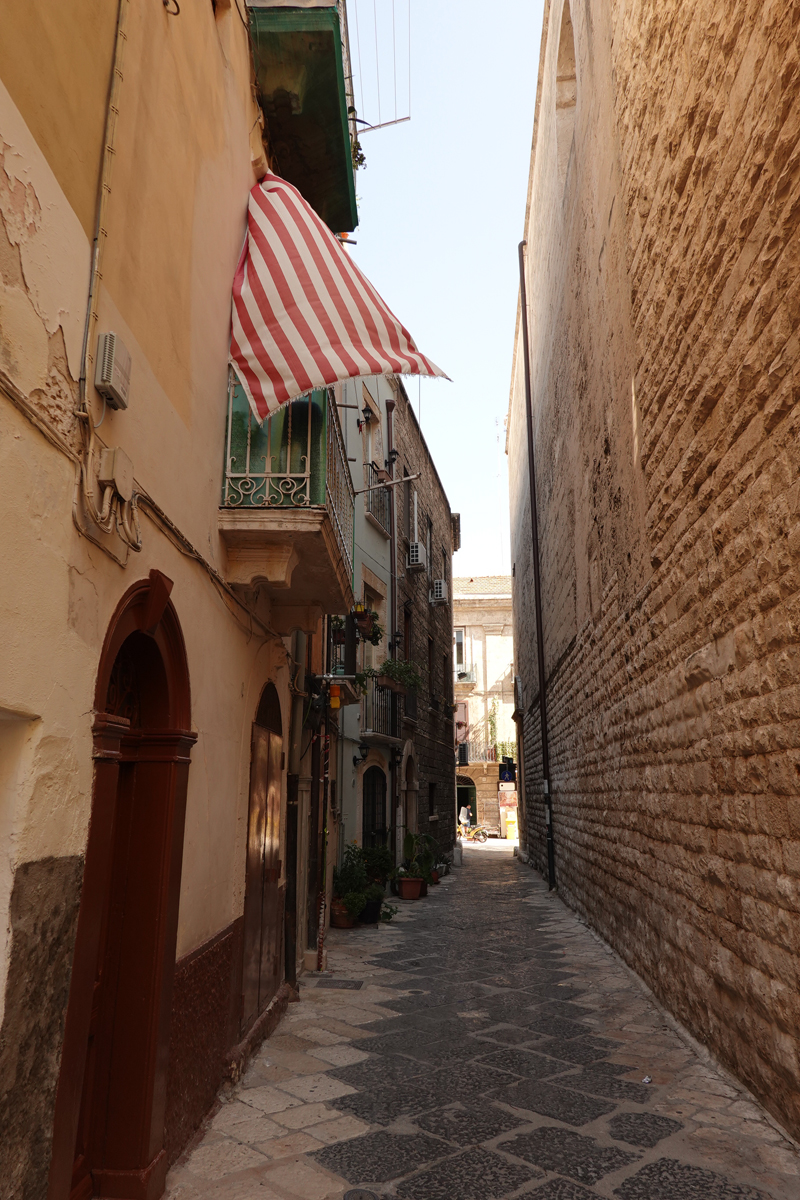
column 432, row 733
column 663, row 247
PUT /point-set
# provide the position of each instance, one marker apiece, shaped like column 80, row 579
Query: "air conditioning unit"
column 417, row 560
column 439, row 591
column 112, row 376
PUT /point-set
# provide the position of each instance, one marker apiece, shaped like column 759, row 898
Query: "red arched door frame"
column 137, row 822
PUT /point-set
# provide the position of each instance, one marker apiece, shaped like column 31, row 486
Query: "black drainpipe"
column 537, row 582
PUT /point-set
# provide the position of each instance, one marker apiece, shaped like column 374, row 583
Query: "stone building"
column 483, row 661
column 391, row 744
column 663, row 238
column 165, row 771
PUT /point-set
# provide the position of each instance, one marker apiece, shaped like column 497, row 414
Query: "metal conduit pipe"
column 537, row 582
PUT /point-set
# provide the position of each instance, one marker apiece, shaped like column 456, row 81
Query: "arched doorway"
column 262, row 960
column 109, row 1124
column 373, row 821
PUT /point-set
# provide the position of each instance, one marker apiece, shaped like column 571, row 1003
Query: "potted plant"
column 338, row 632
column 378, row 863
column 340, row 915
column 409, row 883
column 398, row 674
column 373, row 901
column 349, row 888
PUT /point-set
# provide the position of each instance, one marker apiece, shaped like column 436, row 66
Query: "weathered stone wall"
column 664, row 297
column 433, row 732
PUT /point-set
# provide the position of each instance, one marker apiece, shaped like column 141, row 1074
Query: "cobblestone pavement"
column 483, row 1045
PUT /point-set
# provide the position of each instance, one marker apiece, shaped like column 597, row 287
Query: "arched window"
column 373, row 824
column 566, row 93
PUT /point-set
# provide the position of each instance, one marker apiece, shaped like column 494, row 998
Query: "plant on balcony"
column 399, row 671
column 337, row 631
column 369, row 629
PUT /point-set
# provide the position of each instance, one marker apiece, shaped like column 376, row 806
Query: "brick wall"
column 664, row 296
column 433, row 734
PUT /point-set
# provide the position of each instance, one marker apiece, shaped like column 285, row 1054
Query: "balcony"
column 381, row 714
column 464, row 674
column 287, row 508
column 376, row 501
column 300, row 54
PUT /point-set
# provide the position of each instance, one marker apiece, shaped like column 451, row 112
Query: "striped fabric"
column 303, row 314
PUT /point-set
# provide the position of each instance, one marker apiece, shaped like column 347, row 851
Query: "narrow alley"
column 445, row 1058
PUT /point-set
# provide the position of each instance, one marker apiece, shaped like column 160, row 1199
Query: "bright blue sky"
column 441, row 206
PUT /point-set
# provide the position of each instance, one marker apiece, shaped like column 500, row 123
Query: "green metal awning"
column 300, row 75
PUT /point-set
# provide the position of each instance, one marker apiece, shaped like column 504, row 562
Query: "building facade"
column 483, row 662
column 396, row 745
column 662, row 234
column 165, row 769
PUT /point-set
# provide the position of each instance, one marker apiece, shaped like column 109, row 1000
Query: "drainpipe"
column 392, row 623
column 537, row 582
column 292, row 801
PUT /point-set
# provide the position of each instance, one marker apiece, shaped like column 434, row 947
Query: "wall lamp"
column 367, row 414
column 363, row 751
column 393, row 456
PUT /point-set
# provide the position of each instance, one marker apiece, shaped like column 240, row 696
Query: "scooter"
column 472, row 833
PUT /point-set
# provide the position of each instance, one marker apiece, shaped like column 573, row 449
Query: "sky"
column 441, row 211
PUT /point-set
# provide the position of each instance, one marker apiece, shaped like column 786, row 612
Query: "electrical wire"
column 358, row 55
column 377, row 61
column 394, row 58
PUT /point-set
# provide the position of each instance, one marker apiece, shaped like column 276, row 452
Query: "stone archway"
column 108, row 1134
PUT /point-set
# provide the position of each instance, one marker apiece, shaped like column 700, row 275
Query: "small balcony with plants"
column 287, row 508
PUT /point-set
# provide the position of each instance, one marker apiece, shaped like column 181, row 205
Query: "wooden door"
column 263, row 916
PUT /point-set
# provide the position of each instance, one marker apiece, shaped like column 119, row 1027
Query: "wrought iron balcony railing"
column 381, row 711
column 296, row 460
column 377, row 500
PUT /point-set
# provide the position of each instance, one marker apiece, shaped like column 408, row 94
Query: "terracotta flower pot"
column 340, row 917
column 392, row 684
column 434, row 876
column 408, row 888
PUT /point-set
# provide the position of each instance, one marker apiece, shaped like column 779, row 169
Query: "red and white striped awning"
column 303, row 314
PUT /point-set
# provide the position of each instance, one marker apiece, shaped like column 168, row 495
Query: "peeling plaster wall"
column 175, row 226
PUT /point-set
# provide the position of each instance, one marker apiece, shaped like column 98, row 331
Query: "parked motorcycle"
column 472, row 833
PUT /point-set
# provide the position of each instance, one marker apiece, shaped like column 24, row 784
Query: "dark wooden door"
column 263, row 915
column 373, row 826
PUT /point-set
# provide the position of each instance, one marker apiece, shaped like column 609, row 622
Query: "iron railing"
column 464, row 674
column 377, row 499
column 381, row 711
column 295, row 459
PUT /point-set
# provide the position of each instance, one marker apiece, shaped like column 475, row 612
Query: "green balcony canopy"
column 300, row 75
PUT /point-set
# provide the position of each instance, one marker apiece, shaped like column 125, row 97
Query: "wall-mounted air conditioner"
column 439, row 591
column 112, row 376
column 417, row 560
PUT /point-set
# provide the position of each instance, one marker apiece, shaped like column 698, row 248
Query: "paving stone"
column 668, row 1179
column 468, row 1123
column 510, row 1035
column 642, row 1129
column 583, row 1050
column 383, row 1071
column 562, row 1189
column 569, row 1153
column 557, row 1102
column 559, row 1027
column 476, row 1174
column 600, row 1083
column 379, row 1157
column 383, row 1108
column 525, row 1063
column 466, row 1079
